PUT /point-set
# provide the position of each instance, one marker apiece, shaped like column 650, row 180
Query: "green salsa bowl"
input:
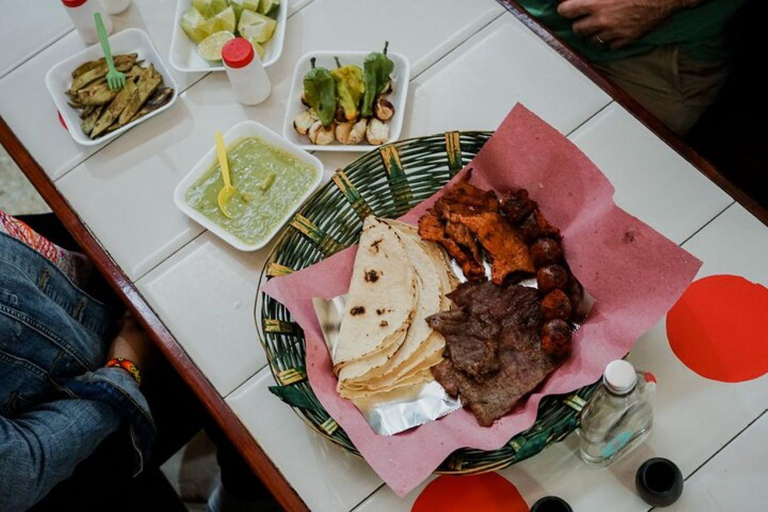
column 273, row 178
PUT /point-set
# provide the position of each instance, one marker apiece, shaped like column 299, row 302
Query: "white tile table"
column 471, row 63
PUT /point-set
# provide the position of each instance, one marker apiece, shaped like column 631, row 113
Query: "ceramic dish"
column 400, row 78
column 59, row 78
column 184, row 56
column 234, row 134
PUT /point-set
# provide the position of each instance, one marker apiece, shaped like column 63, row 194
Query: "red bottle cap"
column 237, row 53
column 74, row 3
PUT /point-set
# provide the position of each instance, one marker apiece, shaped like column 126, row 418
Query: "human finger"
column 574, row 8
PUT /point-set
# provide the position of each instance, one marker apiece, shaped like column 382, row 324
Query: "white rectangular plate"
column 184, row 56
column 240, row 130
column 400, row 78
column 59, row 79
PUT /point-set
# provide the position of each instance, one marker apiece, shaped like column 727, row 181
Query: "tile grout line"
column 153, row 267
column 362, row 502
column 721, row 449
column 457, row 46
column 707, row 223
column 588, row 119
column 181, row 93
column 35, row 53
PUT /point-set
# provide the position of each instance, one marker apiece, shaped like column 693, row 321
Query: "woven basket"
column 388, row 182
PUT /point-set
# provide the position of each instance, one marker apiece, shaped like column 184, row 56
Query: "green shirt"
column 699, row 32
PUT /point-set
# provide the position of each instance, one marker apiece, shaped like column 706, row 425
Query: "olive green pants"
column 673, row 87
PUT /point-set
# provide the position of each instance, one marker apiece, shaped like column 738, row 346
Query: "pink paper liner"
column 634, row 273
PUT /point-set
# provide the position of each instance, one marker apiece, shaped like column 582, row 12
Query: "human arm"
column 617, row 23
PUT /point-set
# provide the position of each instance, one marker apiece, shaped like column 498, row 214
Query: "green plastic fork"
column 115, row 79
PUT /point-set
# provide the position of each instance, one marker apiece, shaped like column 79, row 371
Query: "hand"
column 132, row 343
column 616, row 23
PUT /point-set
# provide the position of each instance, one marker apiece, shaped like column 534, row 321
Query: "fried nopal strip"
column 97, row 93
column 114, row 109
column 159, row 99
column 122, row 63
column 149, row 81
column 90, row 120
column 87, row 66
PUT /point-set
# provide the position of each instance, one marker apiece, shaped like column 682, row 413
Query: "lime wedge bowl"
column 261, row 22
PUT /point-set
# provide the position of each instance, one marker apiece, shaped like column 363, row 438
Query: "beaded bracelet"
column 127, row 365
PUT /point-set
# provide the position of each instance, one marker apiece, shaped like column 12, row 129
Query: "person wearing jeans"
column 88, row 409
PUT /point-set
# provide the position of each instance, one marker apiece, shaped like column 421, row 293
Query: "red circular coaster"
column 719, row 328
column 488, row 492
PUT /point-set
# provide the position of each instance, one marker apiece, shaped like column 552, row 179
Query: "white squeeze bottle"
column 81, row 13
column 619, row 416
column 246, row 74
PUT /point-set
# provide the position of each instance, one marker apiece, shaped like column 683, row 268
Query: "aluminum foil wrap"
column 400, row 409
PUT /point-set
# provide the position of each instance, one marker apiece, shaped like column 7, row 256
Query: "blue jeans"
column 57, row 402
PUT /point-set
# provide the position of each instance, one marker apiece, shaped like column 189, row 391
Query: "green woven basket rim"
column 401, row 174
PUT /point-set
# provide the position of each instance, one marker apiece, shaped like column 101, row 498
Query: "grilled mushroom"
column 357, row 135
column 351, row 132
column 377, row 132
column 384, row 109
column 318, row 134
column 342, row 132
column 304, row 121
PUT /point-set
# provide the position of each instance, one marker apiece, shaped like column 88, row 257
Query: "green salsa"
column 270, row 182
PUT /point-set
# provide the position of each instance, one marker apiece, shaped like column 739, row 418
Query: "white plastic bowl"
column 401, row 76
column 59, row 78
column 184, row 56
column 237, row 132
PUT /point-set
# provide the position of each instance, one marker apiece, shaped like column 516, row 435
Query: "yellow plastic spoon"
column 227, row 190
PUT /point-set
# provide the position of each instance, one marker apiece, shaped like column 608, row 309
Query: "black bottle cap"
column 659, row 482
column 551, row 504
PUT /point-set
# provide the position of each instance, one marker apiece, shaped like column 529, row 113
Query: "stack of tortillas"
column 398, row 281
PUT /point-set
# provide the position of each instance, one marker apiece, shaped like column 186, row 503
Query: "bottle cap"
column 620, row 377
column 659, row 482
column 237, row 53
column 73, row 3
column 551, row 504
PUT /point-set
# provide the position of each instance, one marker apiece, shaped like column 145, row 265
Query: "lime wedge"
column 193, row 24
column 239, row 5
column 226, row 20
column 210, row 47
column 209, row 8
column 256, row 27
column 258, row 47
column 269, row 7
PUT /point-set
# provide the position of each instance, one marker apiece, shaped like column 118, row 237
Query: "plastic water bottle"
column 619, row 416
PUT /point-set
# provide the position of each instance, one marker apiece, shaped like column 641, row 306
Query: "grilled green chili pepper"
column 377, row 67
column 349, row 88
column 320, row 93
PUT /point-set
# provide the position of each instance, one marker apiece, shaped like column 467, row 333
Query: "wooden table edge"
column 218, row 408
column 230, row 423
column 638, row 111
